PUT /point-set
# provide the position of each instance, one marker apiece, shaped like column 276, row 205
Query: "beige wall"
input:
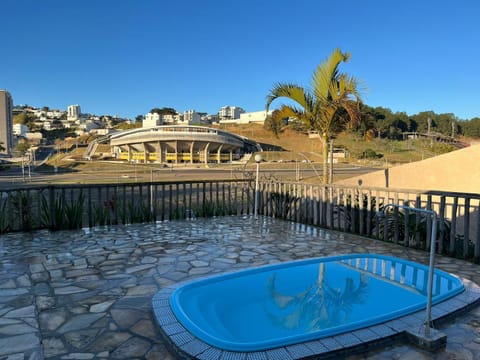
column 457, row 171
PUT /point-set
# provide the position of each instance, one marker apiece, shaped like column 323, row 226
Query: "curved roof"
column 182, row 133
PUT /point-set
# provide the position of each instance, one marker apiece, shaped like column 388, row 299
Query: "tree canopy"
column 164, row 111
column 327, row 107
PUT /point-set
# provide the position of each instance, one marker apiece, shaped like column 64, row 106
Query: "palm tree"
column 329, row 106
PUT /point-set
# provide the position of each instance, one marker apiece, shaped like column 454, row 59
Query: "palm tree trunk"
column 325, row 158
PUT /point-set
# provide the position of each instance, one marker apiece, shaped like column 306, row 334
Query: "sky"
column 125, row 57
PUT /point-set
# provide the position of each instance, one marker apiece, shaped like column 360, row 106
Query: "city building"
column 73, row 112
column 230, row 113
column 20, row 130
column 192, row 117
column 6, row 123
column 151, row 120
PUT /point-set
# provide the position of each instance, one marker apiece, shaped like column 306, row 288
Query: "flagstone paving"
column 87, row 294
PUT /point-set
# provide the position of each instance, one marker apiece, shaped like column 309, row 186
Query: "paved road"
column 15, row 177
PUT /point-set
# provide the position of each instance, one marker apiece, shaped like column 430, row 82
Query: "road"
column 14, row 177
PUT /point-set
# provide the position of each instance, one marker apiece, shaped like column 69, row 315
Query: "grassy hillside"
column 297, row 146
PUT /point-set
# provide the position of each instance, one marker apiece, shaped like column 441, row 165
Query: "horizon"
column 126, row 58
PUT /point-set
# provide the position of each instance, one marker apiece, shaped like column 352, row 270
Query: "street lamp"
column 258, row 159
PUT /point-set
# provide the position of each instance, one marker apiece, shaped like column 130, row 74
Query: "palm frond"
column 326, row 73
column 293, row 92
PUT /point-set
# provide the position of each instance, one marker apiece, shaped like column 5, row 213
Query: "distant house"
column 73, row 112
column 245, row 117
column 227, row 113
column 151, row 120
column 20, row 130
column 34, row 137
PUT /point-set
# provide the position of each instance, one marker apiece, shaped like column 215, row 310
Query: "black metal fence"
column 348, row 209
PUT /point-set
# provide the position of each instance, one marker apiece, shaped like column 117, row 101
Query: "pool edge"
column 187, row 346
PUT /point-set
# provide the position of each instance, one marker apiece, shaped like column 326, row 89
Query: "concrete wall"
column 455, row 171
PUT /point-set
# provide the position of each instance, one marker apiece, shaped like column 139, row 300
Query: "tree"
column 164, row 111
column 329, row 106
column 277, row 121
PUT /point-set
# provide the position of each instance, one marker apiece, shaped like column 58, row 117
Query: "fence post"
column 466, row 229
column 51, row 206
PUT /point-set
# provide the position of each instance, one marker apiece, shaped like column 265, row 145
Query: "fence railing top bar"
column 125, row 184
column 385, row 189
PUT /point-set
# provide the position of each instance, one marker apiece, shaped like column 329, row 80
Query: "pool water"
column 293, row 302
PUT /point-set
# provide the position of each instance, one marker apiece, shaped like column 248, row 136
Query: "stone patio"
column 87, row 294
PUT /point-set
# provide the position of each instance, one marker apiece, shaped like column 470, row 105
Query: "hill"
column 380, row 152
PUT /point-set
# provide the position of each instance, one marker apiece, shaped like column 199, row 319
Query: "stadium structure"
column 176, row 144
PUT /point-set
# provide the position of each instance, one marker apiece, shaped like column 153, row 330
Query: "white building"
column 35, row 137
column 192, row 117
column 47, row 125
column 170, row 119
column 151, row 120
column 73, row 112
column 247, row 118
column 254, row 117
column 209, row 119
column 230, row 113
column 20, row 130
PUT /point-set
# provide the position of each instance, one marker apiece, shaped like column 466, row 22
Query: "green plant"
column 459, row 246
column 414, row 229
column 59, row 215
column 74, row 213
column 22, row 209
column 139, row 213
column 100, row 215
column 371, row 154
column 282, row 203
column 4, row 226
column 351, row 214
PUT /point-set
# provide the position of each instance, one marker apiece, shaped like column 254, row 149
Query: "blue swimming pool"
column 282, row 304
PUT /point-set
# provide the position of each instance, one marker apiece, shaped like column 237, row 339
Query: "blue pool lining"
column 338, row 330
column 187, row 346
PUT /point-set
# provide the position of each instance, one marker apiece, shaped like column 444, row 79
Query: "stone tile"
column 28, row 311
column 16, row 329
column 79, row 322
column 18, row 343
column 81, row 339
column 53, row 347
column 68, row 290
column 133, row 348
column 125, row 318
column 101, row 307
column 109, row 341
column 114, row 272
column 145, row 328
column 52, row 320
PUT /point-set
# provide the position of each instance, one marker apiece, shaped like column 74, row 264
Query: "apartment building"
column 73, row 112
column 151, row 120
column 230, row 113
column 6, row 123
column 192, row 117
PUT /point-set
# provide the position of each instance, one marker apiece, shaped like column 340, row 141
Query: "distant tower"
column 73, row 112
column 6, row 123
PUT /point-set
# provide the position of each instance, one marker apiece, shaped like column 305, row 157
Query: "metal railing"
column 347, row 209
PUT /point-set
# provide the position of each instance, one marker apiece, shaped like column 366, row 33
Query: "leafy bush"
column 371, row 154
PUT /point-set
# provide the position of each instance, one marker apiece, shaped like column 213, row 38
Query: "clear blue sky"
column 126, row 57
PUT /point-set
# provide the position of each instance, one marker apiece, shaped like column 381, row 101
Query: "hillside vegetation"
column 292, row 145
